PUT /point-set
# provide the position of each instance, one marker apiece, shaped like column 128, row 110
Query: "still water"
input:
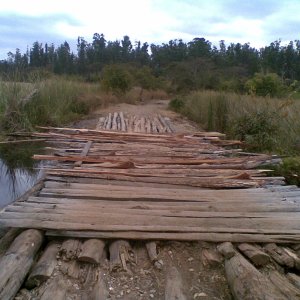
column 18, row 171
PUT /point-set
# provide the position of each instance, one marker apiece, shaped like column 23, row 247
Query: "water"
column 18, row 171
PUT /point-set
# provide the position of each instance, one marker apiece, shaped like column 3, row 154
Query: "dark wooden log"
column 245, row 281
column 8, row 238
column 108, row 124
column 57, row 289
column 44, row 268
column 279, row 255
column 174, row 285
column 17, row 261
column 257, row 256
column 288, row 290
column 294, row 279
column 91, row 251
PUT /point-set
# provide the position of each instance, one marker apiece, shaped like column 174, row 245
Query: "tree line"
column 187, row 65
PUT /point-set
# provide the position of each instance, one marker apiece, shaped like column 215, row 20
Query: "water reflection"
column 18, row 171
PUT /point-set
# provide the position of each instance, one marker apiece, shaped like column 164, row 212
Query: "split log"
column 257, row 256
column 163, row 122
column 119, row 255
column 294, row 279
column 174, row 286
column 57, row 289
column 245, row 281
column 130, row 124
column 114, row 121
column 44, row 268
column 170, row 125
column 108, row 124
column 279, row 255
column 148, row 125
column 17, row 261
column 143, row 123
column 152, row 251
column 7, row 239
column 123, row 124
column 288, row 290
column 84, row 152
column 91, row 251
column 70, row 249
column 100, row 124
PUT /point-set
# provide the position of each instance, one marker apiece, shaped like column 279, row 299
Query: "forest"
column 178, row 66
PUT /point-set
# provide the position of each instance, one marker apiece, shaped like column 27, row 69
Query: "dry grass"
column 263, row 123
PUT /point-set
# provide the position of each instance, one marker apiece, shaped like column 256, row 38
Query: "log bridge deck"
column 135, row 178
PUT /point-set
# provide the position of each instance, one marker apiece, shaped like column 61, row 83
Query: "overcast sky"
column 154, row 21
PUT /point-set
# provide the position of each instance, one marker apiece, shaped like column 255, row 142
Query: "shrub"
column 176, row 104
column 265, row 85
column 116, row 80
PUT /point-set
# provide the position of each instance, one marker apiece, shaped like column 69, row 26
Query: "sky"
column 258, row 22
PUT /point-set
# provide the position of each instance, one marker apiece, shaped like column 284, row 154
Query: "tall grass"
column 58, row 101
column 264, row 124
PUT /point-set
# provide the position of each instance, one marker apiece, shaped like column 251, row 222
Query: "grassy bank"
column 267, row 125
column 264, row 124
column 58, row 101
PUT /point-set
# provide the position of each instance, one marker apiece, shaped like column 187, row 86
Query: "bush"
column 266, row 85
column 116, row 80
column 176, row 104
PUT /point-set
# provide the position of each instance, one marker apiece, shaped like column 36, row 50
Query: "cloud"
column 154, row 21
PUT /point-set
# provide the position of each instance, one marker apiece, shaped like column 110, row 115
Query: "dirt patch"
column 149, row 108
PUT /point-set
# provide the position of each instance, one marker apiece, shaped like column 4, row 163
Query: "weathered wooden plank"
column 190, row 236
column 84, row 152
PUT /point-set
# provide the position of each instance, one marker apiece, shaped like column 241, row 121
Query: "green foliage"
column 257, row 129
column 116, row 80
column 176, row 104
column 265, row 85
column 290, row 169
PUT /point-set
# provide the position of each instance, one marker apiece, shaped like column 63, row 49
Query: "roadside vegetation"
column 250, row 94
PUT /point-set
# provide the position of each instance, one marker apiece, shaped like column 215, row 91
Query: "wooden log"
column 100, row 124
column 17, row 261
column 257, row 256
column 118, row 123
column 7, row 239
column 294, row 279
column 114, row 121
column 84, row 152
column 288, row 290
column 23, row 294
column 143, row 123
column 174, row 285
column 70, row 268
column 148, row 125
column 226, row 249
column 245, row 281
column 44, row 268
column 279, row 255
column 123, row 123
column 152, row 251
column 165, row 125
column 56, row 289
column 170, row 125
column 190, row 236
column 119, row 256
column 99, row 290
column 130, row 124
column 70, row 249
column 109, row 121
column 91, row 251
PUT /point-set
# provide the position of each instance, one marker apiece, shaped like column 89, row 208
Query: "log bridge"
column 136, row 178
